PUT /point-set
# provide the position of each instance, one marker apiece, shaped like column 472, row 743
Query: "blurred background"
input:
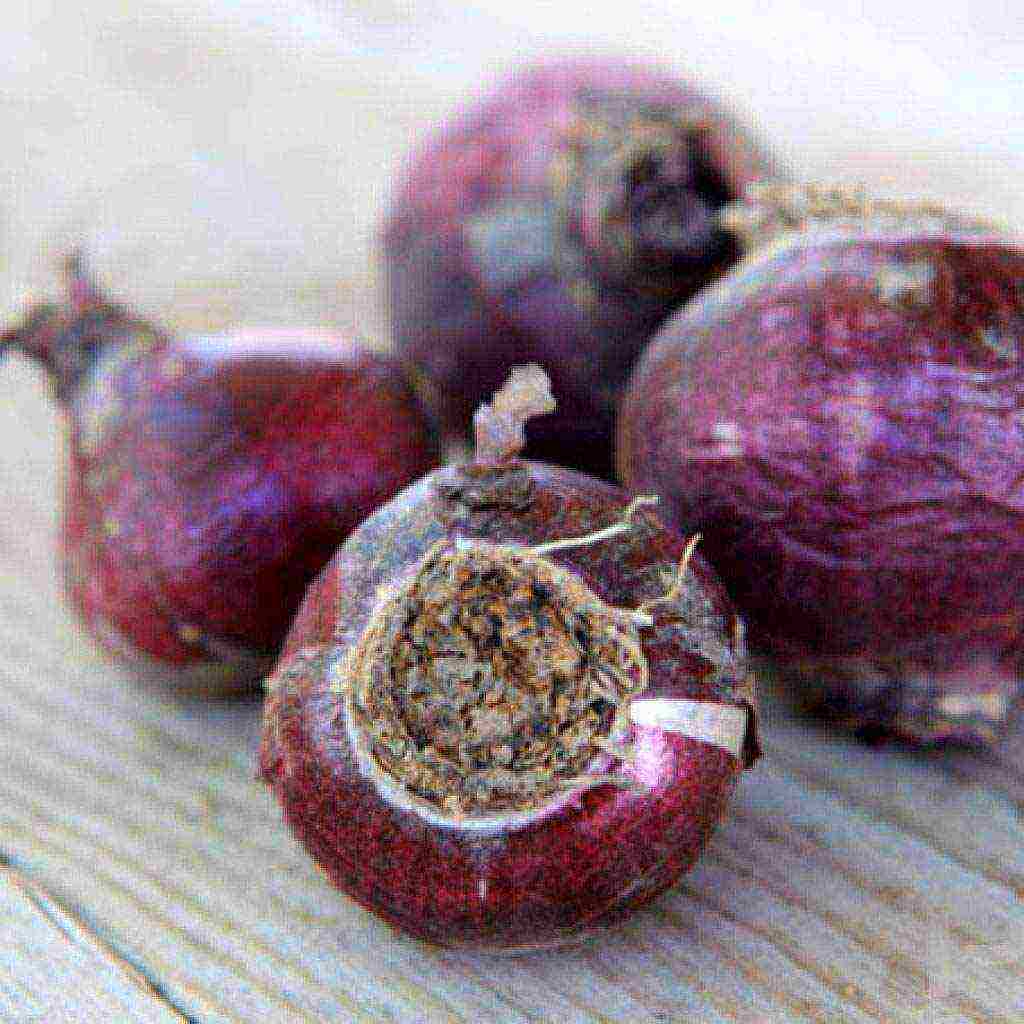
column 228, row 159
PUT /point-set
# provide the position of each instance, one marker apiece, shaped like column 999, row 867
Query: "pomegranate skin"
column 208, row 479
column 842, row 417
column 589, row 857
column 559, row 220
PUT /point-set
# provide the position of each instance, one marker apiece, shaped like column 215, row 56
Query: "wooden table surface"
column 223, row 161
column 146, row 875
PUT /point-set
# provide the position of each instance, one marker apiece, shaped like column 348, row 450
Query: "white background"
column 227, row 160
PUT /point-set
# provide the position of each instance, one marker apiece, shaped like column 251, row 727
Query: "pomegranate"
column 842, row 417
column 560, row 220
column 210, row 478
column 513, row 706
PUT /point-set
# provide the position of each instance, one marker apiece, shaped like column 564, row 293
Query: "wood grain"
column 54, row 967
column 145, row 875
column 150, row 870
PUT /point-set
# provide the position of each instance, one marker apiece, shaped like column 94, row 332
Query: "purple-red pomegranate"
column 209, row 479
column 513, row 706
column 559, row 221
column 842, row 418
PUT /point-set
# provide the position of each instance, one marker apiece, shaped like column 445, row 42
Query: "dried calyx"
column 770, row 209
column 493, row 680
column 23, row 323
column 631, row 179
column 495, row 479
column 67, row 337
column 499, row 424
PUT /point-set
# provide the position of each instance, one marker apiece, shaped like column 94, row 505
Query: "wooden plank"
column 223, row 780
column 849, row 884
column 53, row 967
column 925, row 794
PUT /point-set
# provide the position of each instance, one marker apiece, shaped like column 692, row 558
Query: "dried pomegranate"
column 513, row 706
column 842, row 417
column 209, row 479
column 560, row 220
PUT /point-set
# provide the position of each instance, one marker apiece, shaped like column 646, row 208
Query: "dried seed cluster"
column 493, row 680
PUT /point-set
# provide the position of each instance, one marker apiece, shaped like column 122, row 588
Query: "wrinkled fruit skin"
column 495, row 254
column 208, row 480
column 842, row 418
column 595, row 856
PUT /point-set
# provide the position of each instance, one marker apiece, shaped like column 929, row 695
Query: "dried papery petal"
column 500, row 433
column 209, row 478
column 840, row 417
column 598, row 535
column 512, row 707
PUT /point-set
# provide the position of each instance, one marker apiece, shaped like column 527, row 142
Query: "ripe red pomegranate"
column 842, row 417
column 513, row 706
column 560, row 220
column 208, row 479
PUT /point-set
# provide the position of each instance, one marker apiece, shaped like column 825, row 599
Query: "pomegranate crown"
column 63, row 335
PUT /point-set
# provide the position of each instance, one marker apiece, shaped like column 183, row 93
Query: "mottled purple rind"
column 588, row 861
column 485, row 270
column 842, row 418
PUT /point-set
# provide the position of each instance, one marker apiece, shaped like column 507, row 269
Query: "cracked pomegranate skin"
column 588, row 858
column 208, row 479
column 842, row 418
column 550, row 222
